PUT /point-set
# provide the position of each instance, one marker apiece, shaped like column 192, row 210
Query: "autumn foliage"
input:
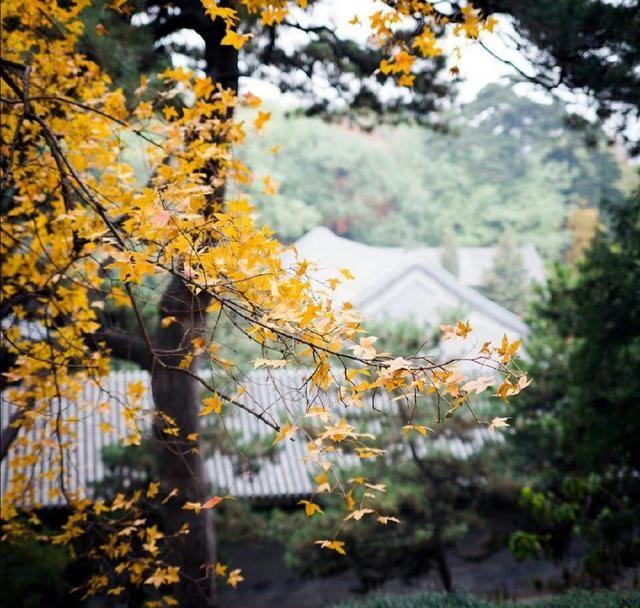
column 83, row 242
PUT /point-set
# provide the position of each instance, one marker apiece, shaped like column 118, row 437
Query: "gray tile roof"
column 284, row 476
column 374, row 266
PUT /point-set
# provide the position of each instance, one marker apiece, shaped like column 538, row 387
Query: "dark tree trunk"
column 177, row 395
column 442, row 562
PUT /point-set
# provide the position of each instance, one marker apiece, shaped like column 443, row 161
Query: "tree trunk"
column 442, row 562
column 177, row 395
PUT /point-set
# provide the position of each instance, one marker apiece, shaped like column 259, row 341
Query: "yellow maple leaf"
column 228, row 15
column 507, row 349
column 346, row 273
column 234, row 578
column 211, row 404
column 287, row 431
column 221, row 569
column 358, row 514
column 323, row 482
column 463, row 329
column 232, row 38
column 419, row 428
column 251, row 100
column 348, row 498
column 270, row 187
column 310, row 507
column 261, row 120
column 334, row 545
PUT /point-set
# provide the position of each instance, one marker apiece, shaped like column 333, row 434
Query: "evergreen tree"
column 578, row 428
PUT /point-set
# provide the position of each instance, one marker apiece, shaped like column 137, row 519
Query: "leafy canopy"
column 84, row 241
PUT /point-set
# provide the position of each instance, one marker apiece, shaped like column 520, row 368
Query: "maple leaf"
column 220, row 569
column 406, row 80
column 211, row 404
column 215, row 501
column 419, row 428
column 118, row 5
column 251, row 100
column 163, row 576
column 479, row 385
column 287, row 431
column 334, row 545
column 463, row 329
column 228, row 15
column 261, row 120
column 323, row 483
column 270, row 187
column 358, row 514
column 275, row 363
column 234, row 578
column 317, row 411
column 365, row 349
column 310, row 507
column 497, row 423
column 232, row 38
column 348, row 498
column 346, row 273
column 166, row 321
column 507, row 349
column 397, row 364
column 448, row 332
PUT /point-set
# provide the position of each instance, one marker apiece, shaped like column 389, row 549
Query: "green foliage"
column 506, row 282
column 574, row 599
column 376, row 552
column 127, row 467
column 32, row 574
column 577, row 427
column 593, row 45
column 121, row 49
column 508, row 164
column 434, row 495
column 293, row 217
column 423, row 600
column 238, row 521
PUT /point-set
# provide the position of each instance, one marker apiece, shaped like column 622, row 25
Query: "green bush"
column 32, row 575
column 589, row 599
column 573, row 599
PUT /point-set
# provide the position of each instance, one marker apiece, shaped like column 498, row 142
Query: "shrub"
column 32, row 574
column 573, row 599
